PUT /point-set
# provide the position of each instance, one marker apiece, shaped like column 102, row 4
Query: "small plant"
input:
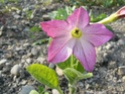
column 72, row 47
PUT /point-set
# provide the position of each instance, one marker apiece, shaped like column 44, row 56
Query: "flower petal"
column 79, row 18
column 97, row 34
column 60, row 49
column 55, row 28
column 121, row 11
column 86, row 54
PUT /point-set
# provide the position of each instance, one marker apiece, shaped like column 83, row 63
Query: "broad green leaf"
column 71, row 62
column 44, row 75
column 65, row 64
column 33, row 92
column 73, row 75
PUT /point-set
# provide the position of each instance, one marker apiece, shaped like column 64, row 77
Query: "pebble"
column 34, row 51
column 121, row 42
column 16, row 16
column 2, row 62
column 54, row 91
column 26, row 89
column 59, row 71
column 0, row 73
column 123, row 78
column 29, row 60
column 46, row 17
column 15, row 70
column 80, row 84
column 121, row 70
column 1, row 32
column 51, row 65
column 112, row 64
column 41, row 60
column 87, row 86
column 108, row 46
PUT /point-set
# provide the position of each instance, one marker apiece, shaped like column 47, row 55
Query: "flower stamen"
column 76, row 33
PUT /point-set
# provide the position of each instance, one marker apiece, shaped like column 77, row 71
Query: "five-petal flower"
column 75, row 36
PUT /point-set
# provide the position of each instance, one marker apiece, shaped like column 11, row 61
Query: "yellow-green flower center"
column 76, row 33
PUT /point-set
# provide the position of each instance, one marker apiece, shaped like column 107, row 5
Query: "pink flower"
column 121, row 12
column 75, row 36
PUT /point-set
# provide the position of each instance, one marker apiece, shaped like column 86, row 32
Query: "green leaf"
column 73, row 75
column 71, row 62
column 65, row 64
column 98, row 18
column 35, row 29
column 44, row 75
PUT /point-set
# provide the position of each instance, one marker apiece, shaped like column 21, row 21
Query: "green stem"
column 72, row 60
column 72, row 89
column 109, row 19
column 59, row 90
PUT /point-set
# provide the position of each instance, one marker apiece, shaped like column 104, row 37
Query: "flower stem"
column 59, row 90
column 72, row 60
column 72, row 89
column 109, row 19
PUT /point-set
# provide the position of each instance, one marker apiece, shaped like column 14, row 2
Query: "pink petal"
column 97, row 34
column 85, row 53
column 121, row 11
column 60, row 49
column 79, row 18
column 55, row 28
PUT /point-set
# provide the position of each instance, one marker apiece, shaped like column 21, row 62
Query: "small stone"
column 87, row 86
column 27, row 29
column 14, row 27
column 34, row 51
column 46, row 17
column 16, row 16
column 23, row 82
column 7, row 67
column 51, row 65
column 121, row 42
column 2, row 62
column 123, row 78
column 80, row 84
column 59, row 71
column 121, row 70
column 108, row 46
column 0, row 73
column 54, row 91
column 15, row 70
column 1, row 30
column 29, row 60
column 26, row 89
column 26, row 44
column 112, row 64
column 41, row 60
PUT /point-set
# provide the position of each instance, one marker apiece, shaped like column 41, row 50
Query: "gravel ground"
column 17, row 52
